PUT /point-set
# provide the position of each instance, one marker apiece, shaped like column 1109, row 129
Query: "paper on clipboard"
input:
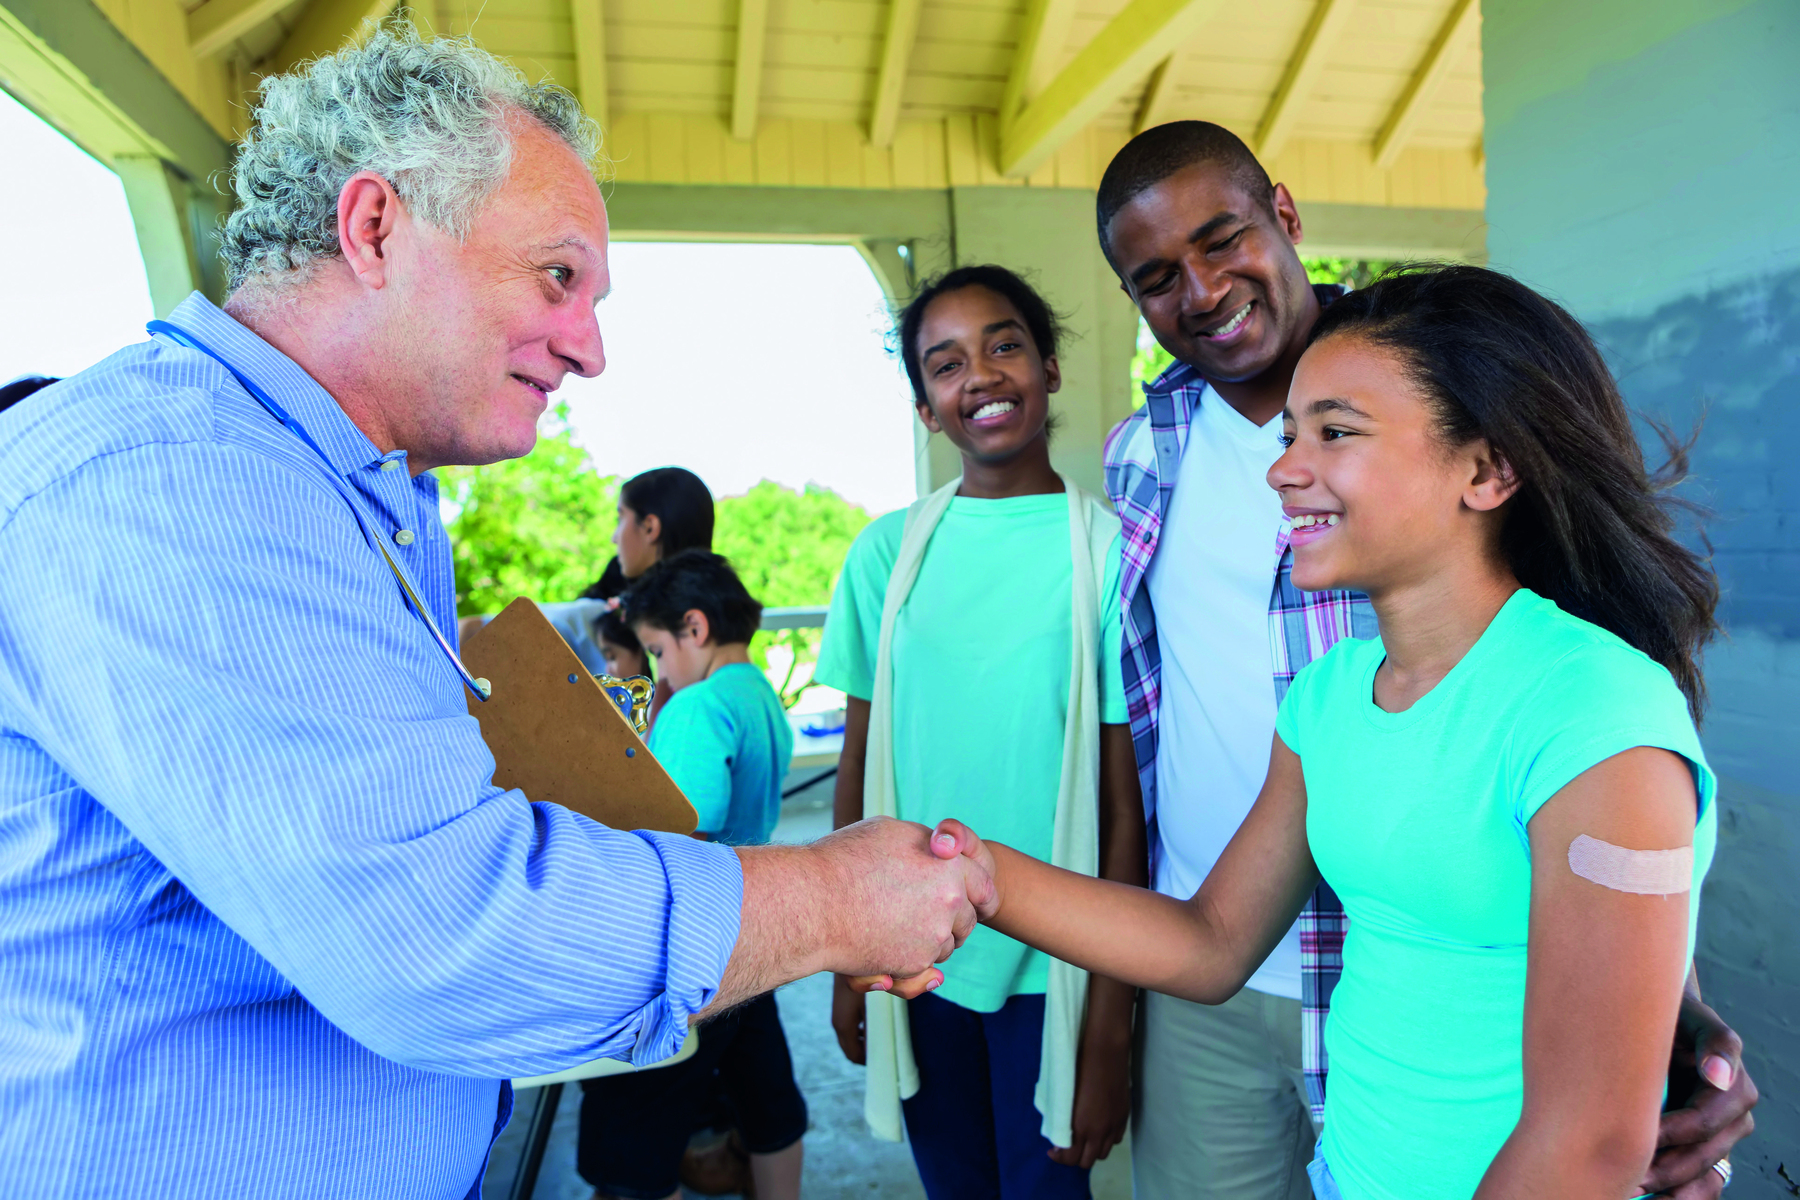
column 557, row 737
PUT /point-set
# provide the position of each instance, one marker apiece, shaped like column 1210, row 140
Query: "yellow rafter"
column 890, row 83
column 1328, row 21
column 1041, row 40
column 746, row 83
column 589, row 20
column 218, row 23
column 324, row 28
column 1158, row 93
column 1463, row 22
column 1142, row 34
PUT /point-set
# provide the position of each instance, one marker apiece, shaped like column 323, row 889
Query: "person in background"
column 1214, row 629
column 661, row 513
column 977, row 638
column 25, row 385
column 1505, row 787
column 620, row 649
column 724, row 738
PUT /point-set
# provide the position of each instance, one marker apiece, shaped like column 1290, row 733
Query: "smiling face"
column 1214, row 271
column 1376, row 499
column 479, row 332
column 988, row 387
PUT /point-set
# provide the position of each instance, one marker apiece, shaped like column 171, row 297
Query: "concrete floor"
column 843, row 1160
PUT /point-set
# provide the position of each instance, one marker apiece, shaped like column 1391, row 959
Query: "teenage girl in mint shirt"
column 982, row 657
column 1458, row 451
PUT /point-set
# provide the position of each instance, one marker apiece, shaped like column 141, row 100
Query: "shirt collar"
column 346, row 447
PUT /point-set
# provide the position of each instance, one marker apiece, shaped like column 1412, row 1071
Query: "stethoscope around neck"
column 481, row 687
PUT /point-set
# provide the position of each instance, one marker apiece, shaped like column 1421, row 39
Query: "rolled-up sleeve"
column 239, row 685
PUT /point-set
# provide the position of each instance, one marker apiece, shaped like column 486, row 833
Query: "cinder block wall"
column 1644, row 168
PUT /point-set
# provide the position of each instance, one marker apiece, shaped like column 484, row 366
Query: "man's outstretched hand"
column 950, row 841
column 1716, row 1117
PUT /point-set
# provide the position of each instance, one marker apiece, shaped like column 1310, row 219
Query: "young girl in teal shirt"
column 977, row 638
column 1506, row 788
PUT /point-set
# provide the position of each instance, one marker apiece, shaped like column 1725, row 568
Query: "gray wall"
column 1644, row 169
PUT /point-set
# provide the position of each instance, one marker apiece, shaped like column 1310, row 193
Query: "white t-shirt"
column 1209, row 584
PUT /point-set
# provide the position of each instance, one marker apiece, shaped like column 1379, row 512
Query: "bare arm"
column 1202, row 949
column 847, row 1008
column 1708, row 1058
column 1602, row 990
column 1103, row 1059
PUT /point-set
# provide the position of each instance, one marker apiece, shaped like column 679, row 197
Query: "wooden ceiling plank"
column 890, row 82
column 1133, row 42
column 1452, row 39
column 1041, row 41
column 218, row 23
column 1157, row 97
column 589, row 20
column 1328, row 22
column 323, row 29
column 746, row 81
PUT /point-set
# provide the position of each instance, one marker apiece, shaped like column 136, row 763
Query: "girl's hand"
column 913, row 985
column 847, row 1019
column 951, row 838
column 1102, row 1098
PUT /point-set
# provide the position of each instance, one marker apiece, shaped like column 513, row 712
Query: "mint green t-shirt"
column 982, row 652
column 726, row 742
column 1418, row 820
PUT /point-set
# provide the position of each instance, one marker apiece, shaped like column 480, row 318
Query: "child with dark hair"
column 1505, row 787
column 724, row 738
column 661, row 513
column 977, row 637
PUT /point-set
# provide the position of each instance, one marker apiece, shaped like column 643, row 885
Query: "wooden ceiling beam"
column 746, row 81
column 1453, row 37
column 1328, row 21
column 890, row 81
column 323, row 29
column 1159, row 93
column 1041, row 41
column 1132, row 43
column 218, row 23
column 589, row 18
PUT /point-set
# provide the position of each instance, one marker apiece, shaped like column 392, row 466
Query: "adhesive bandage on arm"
column 1642, row 872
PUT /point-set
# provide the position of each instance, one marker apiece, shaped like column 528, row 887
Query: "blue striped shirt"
column 266, row 926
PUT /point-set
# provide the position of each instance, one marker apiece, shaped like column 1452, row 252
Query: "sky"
column 739, row 362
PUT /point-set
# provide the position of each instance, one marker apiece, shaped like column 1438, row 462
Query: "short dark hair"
column 1590, row 527
column 25, row 385
column 678, row 499
column 1159, row 152
column 694, row 579
column 1041, row 321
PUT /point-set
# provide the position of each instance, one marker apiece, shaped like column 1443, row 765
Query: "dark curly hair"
column 694, row 579
column 1590, row 527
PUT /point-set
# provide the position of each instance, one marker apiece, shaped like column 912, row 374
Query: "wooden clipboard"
column 557, row 737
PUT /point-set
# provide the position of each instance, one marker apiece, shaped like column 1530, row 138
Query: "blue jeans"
column 1319, row 1171
column 973, row 1126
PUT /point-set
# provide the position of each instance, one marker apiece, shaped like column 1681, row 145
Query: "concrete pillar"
column 1662, row 216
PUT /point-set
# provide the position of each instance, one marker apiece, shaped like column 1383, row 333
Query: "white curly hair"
column 427, row 116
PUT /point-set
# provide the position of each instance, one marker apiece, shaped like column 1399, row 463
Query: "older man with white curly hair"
column 267, row 928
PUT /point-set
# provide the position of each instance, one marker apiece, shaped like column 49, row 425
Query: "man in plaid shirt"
column 1227, row 1098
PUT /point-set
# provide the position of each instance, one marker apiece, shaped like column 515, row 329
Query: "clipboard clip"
column 632, row 696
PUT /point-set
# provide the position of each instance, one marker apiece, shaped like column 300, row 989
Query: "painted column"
column 1643, row 167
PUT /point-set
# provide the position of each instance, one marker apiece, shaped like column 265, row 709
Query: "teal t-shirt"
column 982, row 652
column 1418, row 820
column 726, row 742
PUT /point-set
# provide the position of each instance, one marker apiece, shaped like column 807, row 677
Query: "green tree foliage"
column 1152, row 360
column 539, row 526
column 788, row 548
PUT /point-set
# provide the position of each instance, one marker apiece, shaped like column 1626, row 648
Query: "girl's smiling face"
column 988, row 387
column 1375, row 497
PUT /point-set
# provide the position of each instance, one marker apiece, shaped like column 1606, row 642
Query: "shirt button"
column 404, row 537
column 390, row 464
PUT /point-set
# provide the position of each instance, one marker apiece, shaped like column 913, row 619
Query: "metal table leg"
column 537, row 1140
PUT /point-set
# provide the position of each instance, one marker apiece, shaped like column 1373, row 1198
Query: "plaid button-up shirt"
column 1143, row 461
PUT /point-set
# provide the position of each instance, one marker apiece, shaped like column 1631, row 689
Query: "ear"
column 928, row 418
column 1492, row 482
column 368, row 212
column 1052, row 375
column 651, row 524
column 696, row 626
column 1287, row 214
